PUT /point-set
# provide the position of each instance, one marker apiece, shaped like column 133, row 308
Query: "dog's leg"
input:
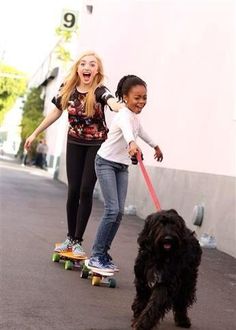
column 155, row 309
column 182, row 301
column 181, row 317
column 142, row 290
column 138, row 306
column 140, row 301
column 185, row 298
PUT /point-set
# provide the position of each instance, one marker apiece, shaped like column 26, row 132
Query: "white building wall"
column 184, row 51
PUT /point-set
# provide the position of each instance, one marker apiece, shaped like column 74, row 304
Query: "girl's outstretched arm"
column 103, row 93
column 51, row 117
column 114, row 105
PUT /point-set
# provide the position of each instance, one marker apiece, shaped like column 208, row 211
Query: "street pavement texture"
column 37, row 294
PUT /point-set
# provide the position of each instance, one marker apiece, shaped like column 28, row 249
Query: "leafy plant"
column 32, row 117
column 61, row 49
column 12, row 85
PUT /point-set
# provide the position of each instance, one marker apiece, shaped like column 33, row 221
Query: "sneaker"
column 78, row 250
column 108, row 259
column 100, row 263
column 65, row 246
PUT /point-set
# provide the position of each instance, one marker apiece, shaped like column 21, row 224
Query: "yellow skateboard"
column 71, row 261
column 98, row 276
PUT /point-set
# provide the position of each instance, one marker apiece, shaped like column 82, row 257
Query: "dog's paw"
column 183, row 322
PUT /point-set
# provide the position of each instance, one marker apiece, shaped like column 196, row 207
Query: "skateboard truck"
column 98, row 277
column 71, row 261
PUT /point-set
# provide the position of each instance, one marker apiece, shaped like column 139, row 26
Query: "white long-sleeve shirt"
column 125, row 127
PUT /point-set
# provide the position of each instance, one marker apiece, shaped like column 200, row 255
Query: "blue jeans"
column 113, row 180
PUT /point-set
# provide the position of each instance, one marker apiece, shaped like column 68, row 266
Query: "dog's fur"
column 166, row 271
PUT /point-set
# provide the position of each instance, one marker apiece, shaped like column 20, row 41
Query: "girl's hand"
column 29, row 141
column 158, row 154
column 133, row 149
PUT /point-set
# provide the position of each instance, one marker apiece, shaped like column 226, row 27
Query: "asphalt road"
column 36, row 293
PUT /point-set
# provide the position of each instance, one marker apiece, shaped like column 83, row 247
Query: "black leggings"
column 81, row 181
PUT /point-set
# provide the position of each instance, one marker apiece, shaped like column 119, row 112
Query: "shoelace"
column 66, row 242
column 64, row 245
column 77, row 246
column 103, row 260
column 109, row 261
column 109, row 258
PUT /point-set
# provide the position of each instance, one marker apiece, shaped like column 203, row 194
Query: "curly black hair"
column 126, row 83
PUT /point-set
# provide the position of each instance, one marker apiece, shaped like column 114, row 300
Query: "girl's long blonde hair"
column 72, row 80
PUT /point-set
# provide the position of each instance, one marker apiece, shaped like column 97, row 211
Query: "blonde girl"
column 84, row 97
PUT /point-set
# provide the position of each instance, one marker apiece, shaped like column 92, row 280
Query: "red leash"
column 149, row 183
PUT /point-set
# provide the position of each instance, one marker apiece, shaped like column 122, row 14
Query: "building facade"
column 184, row 50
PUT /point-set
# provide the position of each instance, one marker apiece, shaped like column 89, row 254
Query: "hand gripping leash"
column 148, row 182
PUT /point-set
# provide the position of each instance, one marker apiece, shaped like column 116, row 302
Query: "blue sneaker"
column 109, row 261
column 100, row 263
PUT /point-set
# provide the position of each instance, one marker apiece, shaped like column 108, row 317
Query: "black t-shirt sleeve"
column 103, row 94
column 56, row 100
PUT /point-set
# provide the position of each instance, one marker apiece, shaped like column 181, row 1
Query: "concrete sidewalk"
column 36, row 293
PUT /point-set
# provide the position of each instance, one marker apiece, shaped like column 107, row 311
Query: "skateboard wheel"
column 112, row 282
column 55, row 257
column 68, row 265
column 96, row 280
column 84, row 273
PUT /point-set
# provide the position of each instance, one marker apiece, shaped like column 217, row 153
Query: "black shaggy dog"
column 166, row 271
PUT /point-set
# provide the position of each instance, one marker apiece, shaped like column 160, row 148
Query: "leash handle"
column 149, row 183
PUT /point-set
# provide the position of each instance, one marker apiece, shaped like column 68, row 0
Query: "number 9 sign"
column 69, row 20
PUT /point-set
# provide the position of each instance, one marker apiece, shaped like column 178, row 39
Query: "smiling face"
column 87, row 69
column 136, row 98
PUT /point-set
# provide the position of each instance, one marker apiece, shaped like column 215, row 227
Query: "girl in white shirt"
column 111, row 165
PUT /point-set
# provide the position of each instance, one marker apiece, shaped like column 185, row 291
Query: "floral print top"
column 83, row 129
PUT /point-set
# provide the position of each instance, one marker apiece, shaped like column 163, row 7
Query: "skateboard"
column 71, row 261
column 98, row 276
